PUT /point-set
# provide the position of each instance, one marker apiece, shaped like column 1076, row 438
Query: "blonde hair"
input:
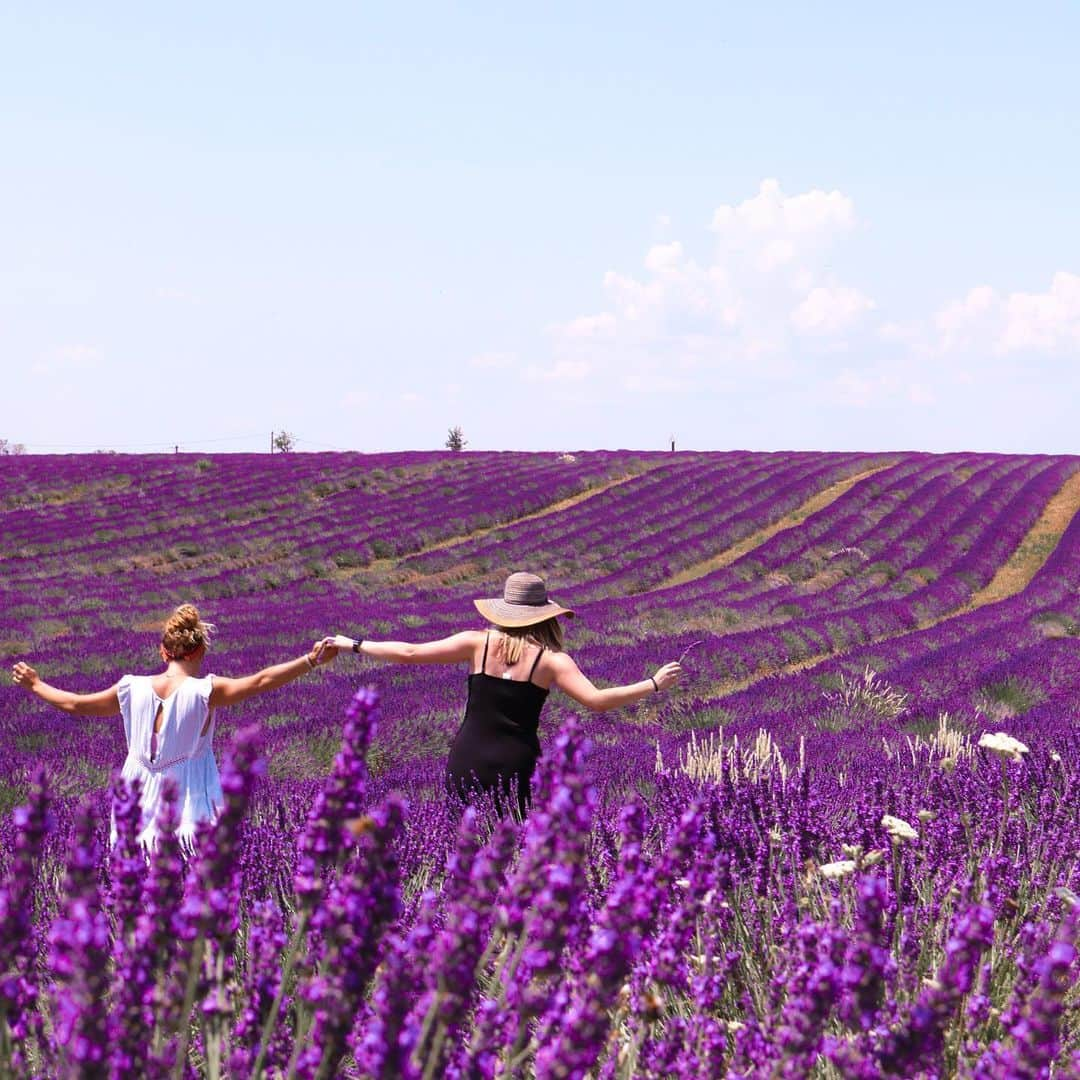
column 512, row 640
column 184, row 632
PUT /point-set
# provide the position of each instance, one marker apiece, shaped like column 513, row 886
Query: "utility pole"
column 672, row 437
column 176, row 449
column 271, row 442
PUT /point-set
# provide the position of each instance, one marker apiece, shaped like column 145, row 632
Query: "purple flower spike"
column 440, row 1011
column 351, row 923
column 341, row 799
column 79, row 960
column 133, row 965
column 1038, row 1033
column 209, row 917
column 265, row 944
column 917, row 1045
column 18, row 981
column 868, row 961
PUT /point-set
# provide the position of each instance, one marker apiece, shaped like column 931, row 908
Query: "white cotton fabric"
column 182, row 753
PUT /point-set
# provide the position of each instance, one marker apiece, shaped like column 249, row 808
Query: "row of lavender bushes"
column 771, row 921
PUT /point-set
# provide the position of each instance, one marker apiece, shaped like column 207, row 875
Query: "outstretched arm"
column 103, row 703
column 571, row 681
column 451, row 650
column 233, row 691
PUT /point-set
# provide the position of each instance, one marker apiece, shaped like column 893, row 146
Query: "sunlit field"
column 845, row 845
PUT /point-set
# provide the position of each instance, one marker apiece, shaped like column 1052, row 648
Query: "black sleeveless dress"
column 496, row 747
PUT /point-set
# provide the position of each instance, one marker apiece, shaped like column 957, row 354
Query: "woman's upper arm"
column 229, row 691
column 570, row 679
column 449, row 650
column 103, row 703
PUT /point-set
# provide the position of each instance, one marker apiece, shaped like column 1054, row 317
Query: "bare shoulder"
column 560, row 661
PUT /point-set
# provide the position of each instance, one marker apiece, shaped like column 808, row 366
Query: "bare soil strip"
column 1013, row 577
column 797, row 516
column 1028, row 559
column 453, row 541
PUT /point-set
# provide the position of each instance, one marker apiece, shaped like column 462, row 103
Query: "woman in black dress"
column 513, row 665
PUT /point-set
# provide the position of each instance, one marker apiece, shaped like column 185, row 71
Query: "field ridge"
column 825, row 497
column 1012, row 578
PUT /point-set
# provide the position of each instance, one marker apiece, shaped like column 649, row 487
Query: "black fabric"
column 496, row 747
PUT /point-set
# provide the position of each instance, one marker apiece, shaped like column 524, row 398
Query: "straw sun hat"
column 524, row 602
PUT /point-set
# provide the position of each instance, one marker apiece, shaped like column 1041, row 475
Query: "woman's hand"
column 323, row 651
column 24, row 675
column 668, row 675
column 340, row 641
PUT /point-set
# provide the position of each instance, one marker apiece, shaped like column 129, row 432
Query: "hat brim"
column 501, row 613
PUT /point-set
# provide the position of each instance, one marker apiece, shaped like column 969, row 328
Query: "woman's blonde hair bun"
column 185, row 632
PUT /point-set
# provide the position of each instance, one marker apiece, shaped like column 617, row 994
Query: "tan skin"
column 225, row 691
column 554, row 668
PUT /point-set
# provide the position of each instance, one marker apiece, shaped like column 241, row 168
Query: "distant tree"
column 11, row 447
column 284, row 441
column 455, row 439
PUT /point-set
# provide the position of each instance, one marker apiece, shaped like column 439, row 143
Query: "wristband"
column 654, row 685
column 310, row 663
column 356, row 645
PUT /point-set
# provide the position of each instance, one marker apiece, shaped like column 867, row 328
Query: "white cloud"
column 589, row 326
column 783, row 227
column 861, row 389
column 355, row 399
column 830, row 310
column 561, row 371
column 652, row 384
column 985, row 320
column 663, row 257
column 493, row 360
column 766, row 283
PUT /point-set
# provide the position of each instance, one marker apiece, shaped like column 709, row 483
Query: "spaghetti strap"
column 532, row 670
column 483, row 662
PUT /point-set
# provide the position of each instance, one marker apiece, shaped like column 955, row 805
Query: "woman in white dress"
column 169, row 718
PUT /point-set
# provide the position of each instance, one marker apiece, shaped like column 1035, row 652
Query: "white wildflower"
column 898, row 828
column 1005, row 746
column 837, row 869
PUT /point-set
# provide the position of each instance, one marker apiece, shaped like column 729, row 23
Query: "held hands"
column 668, row 675
column 24, row 675
column 322, row 652
column 340, row 641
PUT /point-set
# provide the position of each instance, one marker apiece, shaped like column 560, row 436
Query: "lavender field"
column 845, row 845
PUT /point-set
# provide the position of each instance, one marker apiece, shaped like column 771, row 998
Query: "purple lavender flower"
column 868, row 961
column 266, row 940
column 451, row 974
column 132, row 964
column 340, row 800
column 571, row 1035
column 351, row 922
column 18, row 982
column 79, row 960
column 209, row 917
column 918, row 1043
column 544, row 905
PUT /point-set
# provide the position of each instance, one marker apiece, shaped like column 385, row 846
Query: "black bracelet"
column 654, row 686
column 356, row 645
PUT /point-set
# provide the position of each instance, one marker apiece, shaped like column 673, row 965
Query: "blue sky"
column 559, row 226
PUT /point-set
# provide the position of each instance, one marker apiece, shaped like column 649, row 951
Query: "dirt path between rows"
column 1013, row 577
column 390, row 564
column 817, row 502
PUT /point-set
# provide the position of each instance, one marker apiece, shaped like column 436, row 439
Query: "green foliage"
column 1010, row 697
column 350, row 559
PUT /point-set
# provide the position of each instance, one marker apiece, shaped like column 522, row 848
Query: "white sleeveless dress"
column 181, row 752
